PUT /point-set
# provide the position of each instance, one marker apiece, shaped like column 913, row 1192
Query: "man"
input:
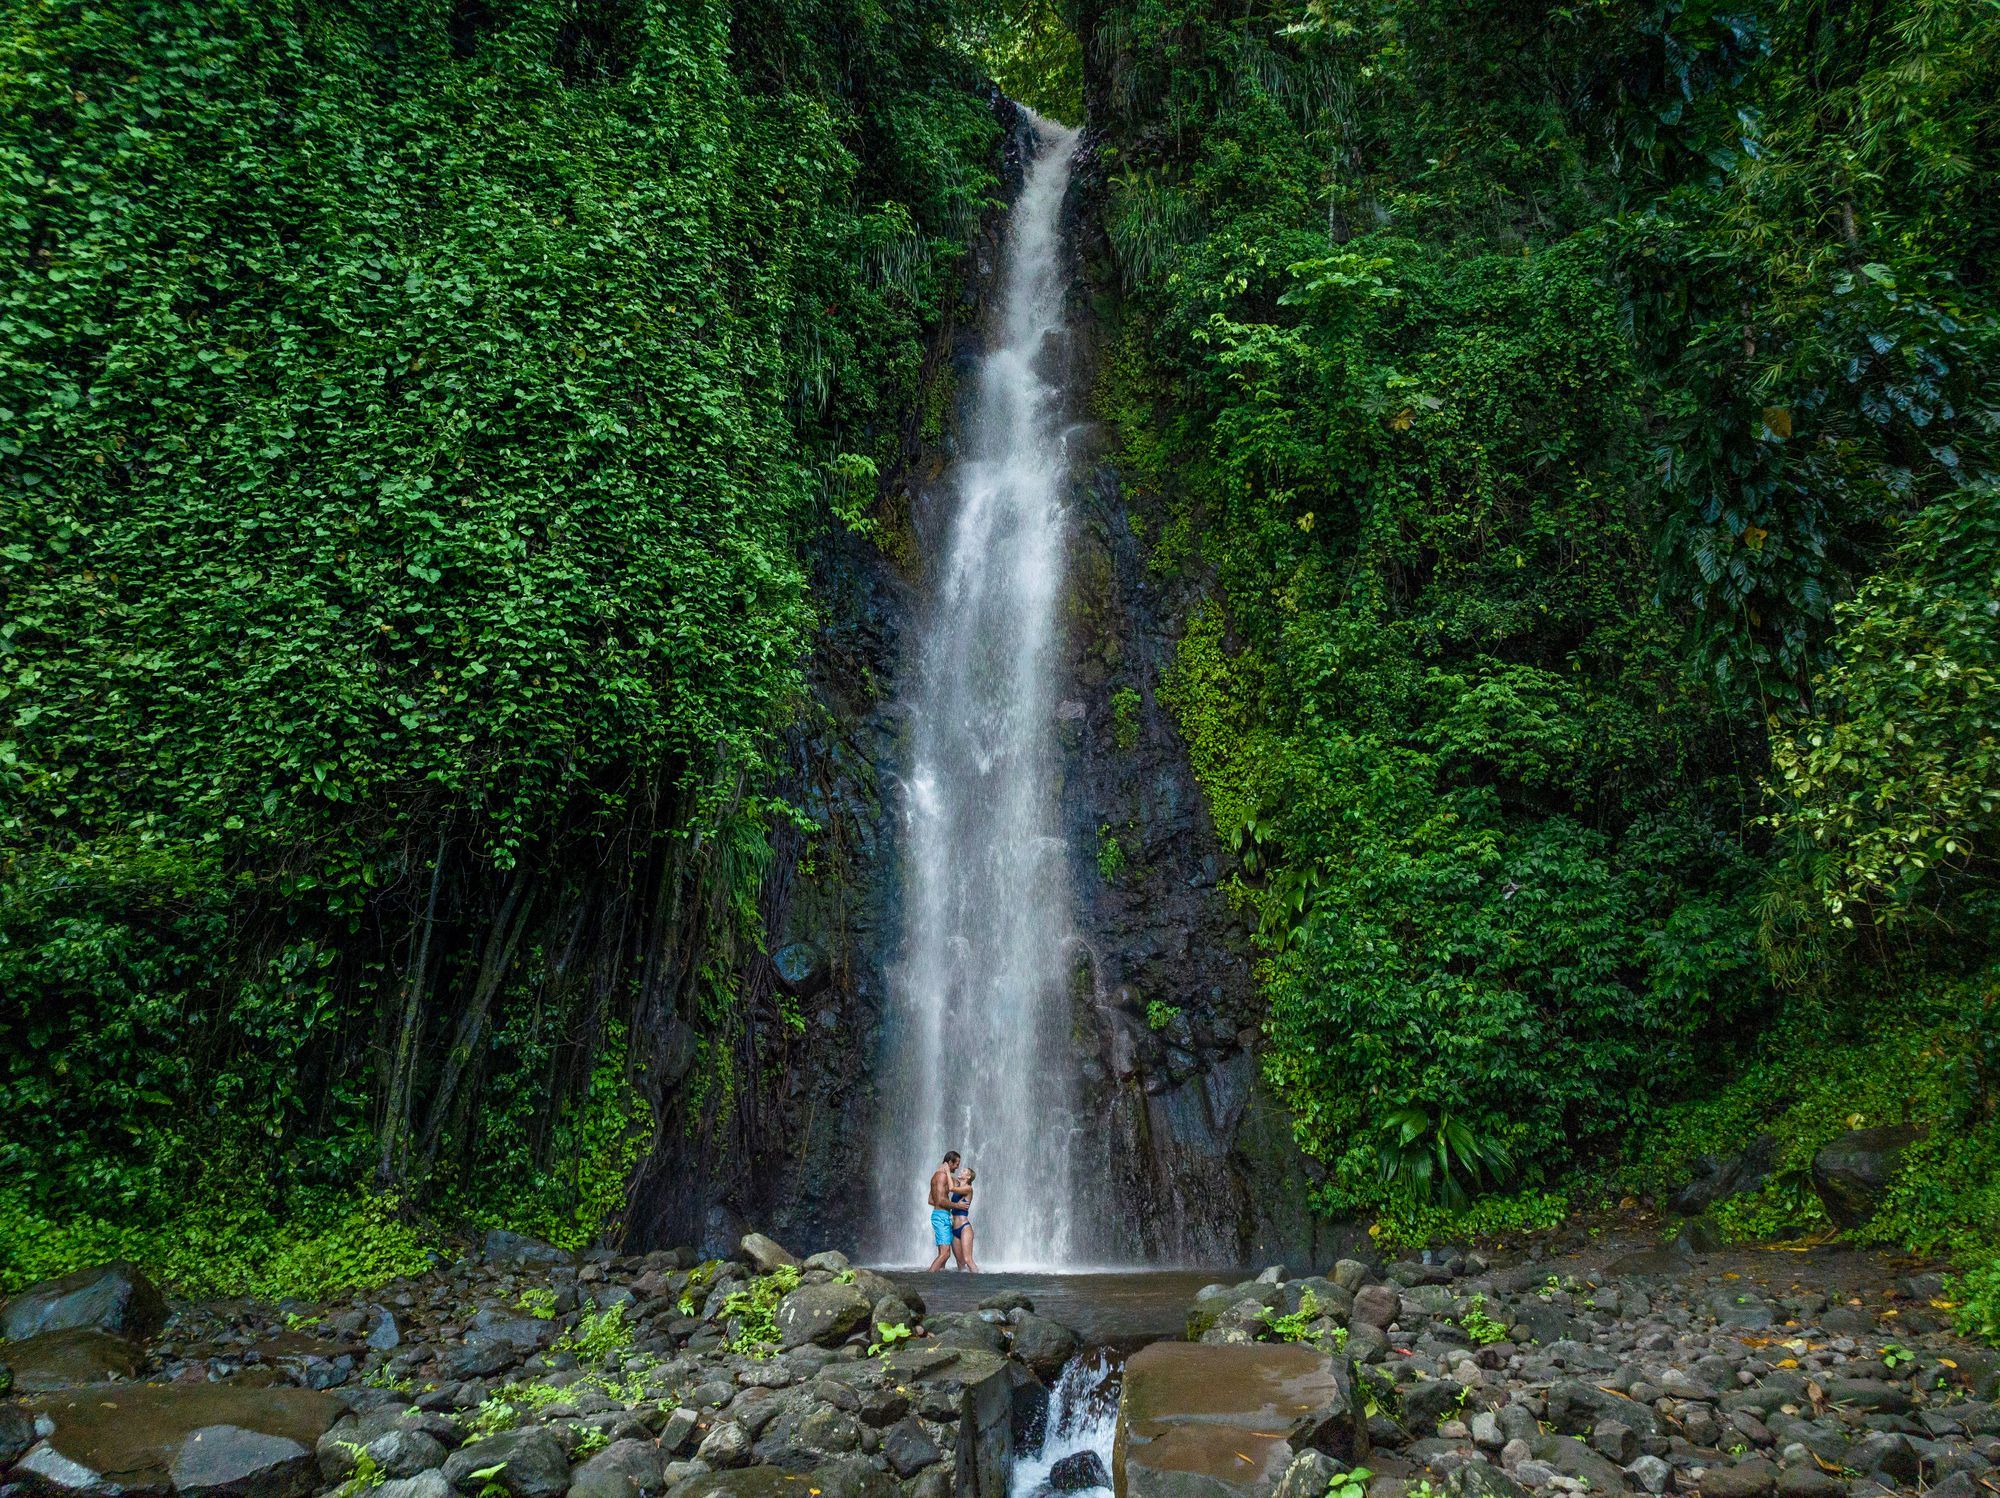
column 941, row 1208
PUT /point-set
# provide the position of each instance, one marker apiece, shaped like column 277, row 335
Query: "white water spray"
column 1083, row 1416
column 979, row 1050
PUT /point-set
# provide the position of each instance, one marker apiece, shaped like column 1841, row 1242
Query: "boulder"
column 909, row 1447
column 624, row 1469
column 1576, row 1407
column 766, row 1255
column 1044, row 1345
column 1752, row 1478
column 1852, row 1173
column 531, row 1461
column 216, row 1439
column 822, row 1314
column 69, row 1359
column 1309, row 1476
column 114, row 1298
column 1376, row 1305
column 517, row 1251
column 1202, row 1421
column 17, row 1433
column 802, row 969
column 1574, row 1459
column 1477, row 1479
column 852, row 1477
column 1081, row 1470
column 225, row 1461
column 1716, row 1178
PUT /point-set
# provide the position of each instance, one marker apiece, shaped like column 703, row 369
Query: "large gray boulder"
column 823, row 1314
column 1044, row 1345
column 1197, row 1420
column 1853, row 1172
column 227, row 1461
column 624, row 1469
column 115, row 1298
column 531, row 1462
column 766, row 1255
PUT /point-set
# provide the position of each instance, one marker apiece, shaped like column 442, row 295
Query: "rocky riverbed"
column 1627, row 1368
column 1605, row 1365
column 525, row 1372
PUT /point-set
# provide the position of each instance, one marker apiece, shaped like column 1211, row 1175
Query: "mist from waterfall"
column 979, row 1054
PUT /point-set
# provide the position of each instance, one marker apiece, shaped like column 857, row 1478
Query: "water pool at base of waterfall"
column 1122, row 1308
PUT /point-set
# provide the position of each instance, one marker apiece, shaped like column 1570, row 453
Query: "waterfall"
column 1083, row 1416
column 979, row 1053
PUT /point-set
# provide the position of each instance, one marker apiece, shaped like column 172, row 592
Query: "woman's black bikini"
column 960, row 1216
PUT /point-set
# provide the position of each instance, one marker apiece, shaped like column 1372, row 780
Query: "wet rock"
column 1198, row 1419
column 1804, row 1480
column 115, row 1297
column 17, row 1433
column 1085, row 1469
column 1377, row 1306
column 802, row 969
column 624, row 1469
column 532, row 1463
column 517, row 1251
column 1571, row 1458
column 1044, row 1345
column 225, row 1461
column 383, row 1333
column 67, row 1359
column 1426, row 1403
column 1310, row 1474
column 822, row 1314
column 1650, row 1474
column 1751, row 1478
column 1575, row 1407
column 1884, row 1453
column 765, row 1255
column 1477, row 1479
column 226, row 1438
column 853, row 1477
column 1615, row 1442
column 1851, row 1174
column 1868, row 1394
column 726, row 1446
column 909, row 1447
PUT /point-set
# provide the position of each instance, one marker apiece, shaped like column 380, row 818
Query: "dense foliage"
column 1578, row 420
column 412, row 419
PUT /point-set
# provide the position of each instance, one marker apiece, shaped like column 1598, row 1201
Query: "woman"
column 960, row 1196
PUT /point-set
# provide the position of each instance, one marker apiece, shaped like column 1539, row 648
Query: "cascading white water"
column 1083, row 1416
column 979, row 1052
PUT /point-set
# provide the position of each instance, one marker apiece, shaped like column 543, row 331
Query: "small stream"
column 1083, row 1416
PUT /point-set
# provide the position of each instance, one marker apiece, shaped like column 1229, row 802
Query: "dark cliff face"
column 1168, row 1011
column 1198, row 1160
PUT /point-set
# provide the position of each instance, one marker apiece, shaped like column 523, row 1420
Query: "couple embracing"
column 951, row 1213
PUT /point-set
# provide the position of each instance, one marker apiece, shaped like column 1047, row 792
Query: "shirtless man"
column 941, row 1208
